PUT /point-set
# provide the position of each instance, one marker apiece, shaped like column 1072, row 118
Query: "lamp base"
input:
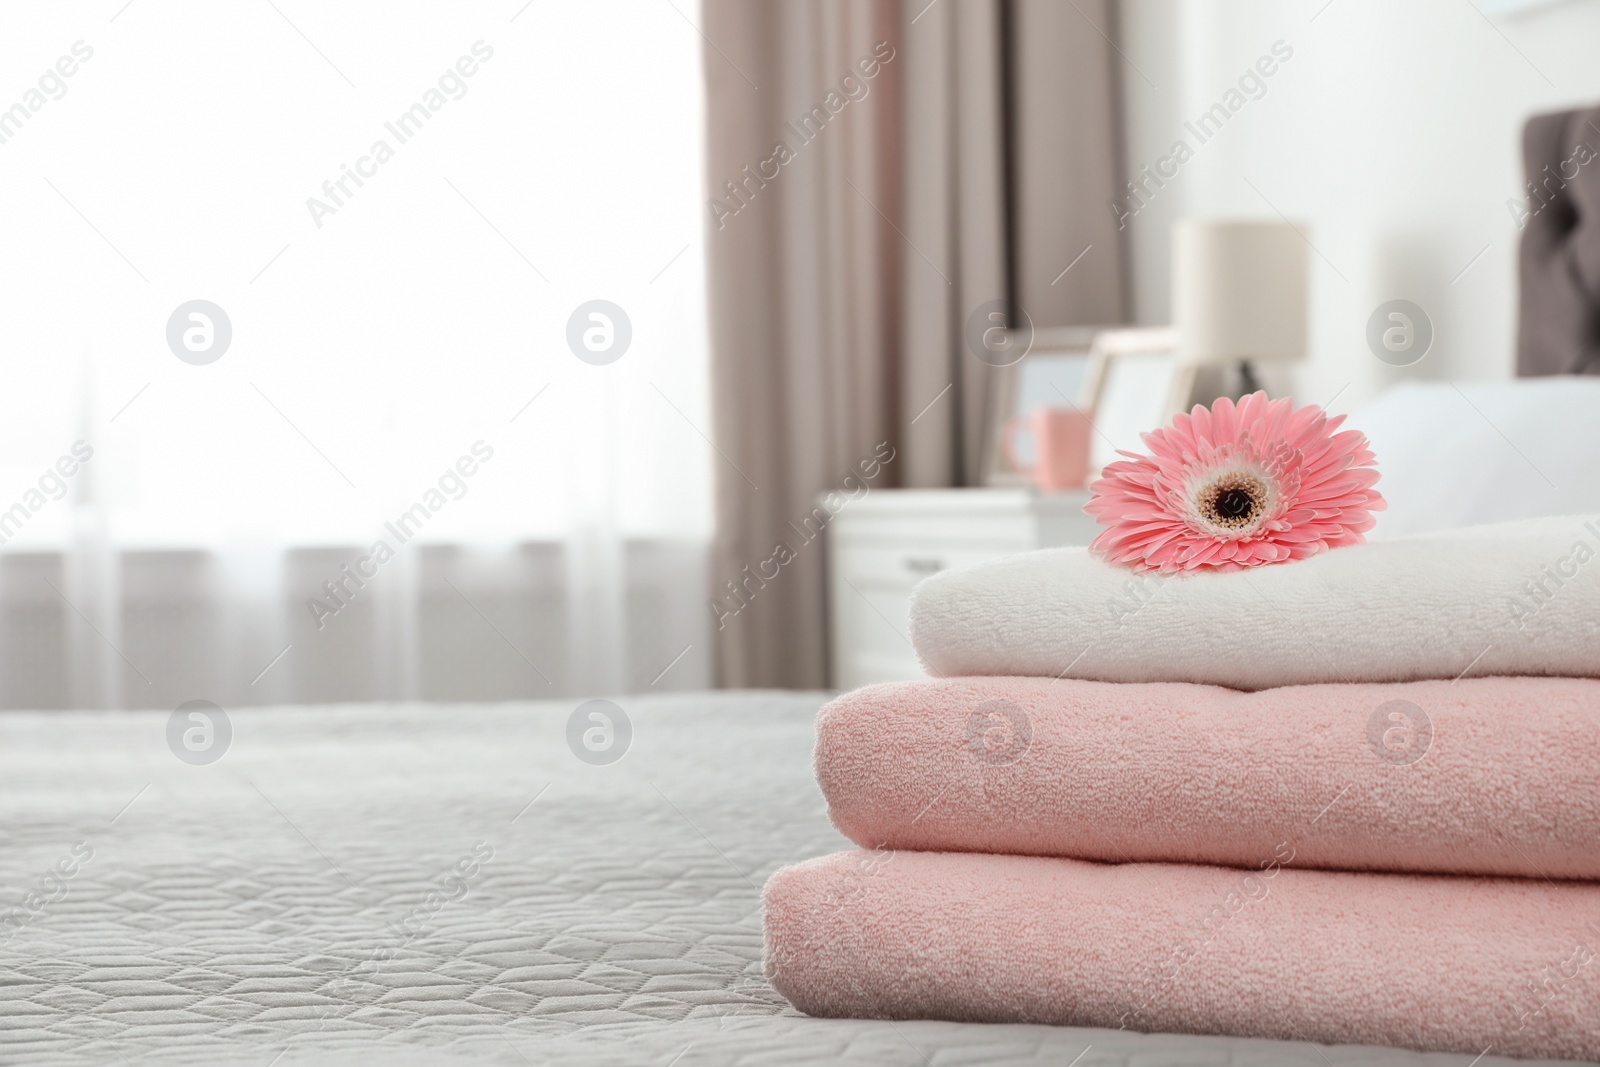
column 1248, row 382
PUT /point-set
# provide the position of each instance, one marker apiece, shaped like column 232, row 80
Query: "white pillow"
column 1461, row 455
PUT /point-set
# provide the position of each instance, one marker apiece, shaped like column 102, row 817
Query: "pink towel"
column 1427, row 962
column 1482, row 776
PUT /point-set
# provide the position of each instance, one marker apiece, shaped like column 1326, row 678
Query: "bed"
column 245, row 912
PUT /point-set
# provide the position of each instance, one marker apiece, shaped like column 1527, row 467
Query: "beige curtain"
column 857, row 213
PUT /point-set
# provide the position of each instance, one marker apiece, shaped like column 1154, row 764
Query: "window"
column 397, row 225
column 284, row 281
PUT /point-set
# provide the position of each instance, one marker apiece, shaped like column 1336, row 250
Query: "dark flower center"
column 1234, row 501
column 1234, row 504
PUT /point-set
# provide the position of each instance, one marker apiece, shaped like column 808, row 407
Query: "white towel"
column 1513, row 598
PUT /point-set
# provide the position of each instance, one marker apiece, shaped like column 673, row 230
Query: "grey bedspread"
column 441, row 885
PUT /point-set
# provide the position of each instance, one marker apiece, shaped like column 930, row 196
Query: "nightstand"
column 886, row 542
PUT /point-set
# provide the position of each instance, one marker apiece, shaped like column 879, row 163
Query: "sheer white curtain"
column 398, row 208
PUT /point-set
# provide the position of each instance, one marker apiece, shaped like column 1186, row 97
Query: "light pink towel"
column 1426, row 962
column 1483, row 776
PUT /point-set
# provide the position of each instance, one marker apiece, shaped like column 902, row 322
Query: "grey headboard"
column 1558, row 322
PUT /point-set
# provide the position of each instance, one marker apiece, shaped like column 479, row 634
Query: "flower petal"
column 1313, row 486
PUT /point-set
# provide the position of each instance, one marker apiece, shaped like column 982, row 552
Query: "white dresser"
column 886, row 542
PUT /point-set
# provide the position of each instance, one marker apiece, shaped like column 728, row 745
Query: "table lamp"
column 1239, row 294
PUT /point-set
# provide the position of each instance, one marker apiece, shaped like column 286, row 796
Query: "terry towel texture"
column 1517, row 598
column 1426, row 962
column 1352, row 799
column 1484, row 776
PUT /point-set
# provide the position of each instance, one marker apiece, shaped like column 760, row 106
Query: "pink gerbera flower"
column 1236, row 486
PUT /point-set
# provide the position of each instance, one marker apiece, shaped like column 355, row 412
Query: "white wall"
column 1393, row 131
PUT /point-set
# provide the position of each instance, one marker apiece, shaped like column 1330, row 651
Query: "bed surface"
column 237, row 913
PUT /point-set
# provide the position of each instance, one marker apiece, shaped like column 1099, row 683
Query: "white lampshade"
column 1239, row 291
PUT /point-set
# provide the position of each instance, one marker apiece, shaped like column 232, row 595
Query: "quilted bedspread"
column 442, row 885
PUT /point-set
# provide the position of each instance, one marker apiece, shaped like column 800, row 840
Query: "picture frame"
column 1135, row 384
column 1128, row 380
column 1051, row 374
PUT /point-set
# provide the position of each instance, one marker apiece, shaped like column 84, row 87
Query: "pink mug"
column 1060, row 447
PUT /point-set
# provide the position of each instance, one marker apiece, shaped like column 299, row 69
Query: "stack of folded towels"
column 1348, row 799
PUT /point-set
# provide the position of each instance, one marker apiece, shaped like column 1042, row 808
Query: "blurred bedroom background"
column 608, row 348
